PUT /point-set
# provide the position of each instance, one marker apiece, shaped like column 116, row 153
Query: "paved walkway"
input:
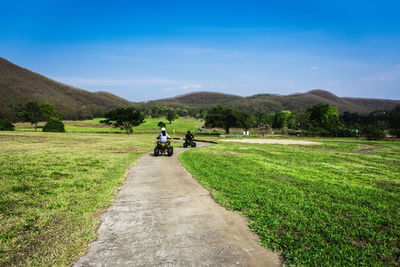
column 163, row 217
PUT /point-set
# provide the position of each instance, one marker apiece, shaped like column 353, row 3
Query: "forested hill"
column 271, row 102
column 19, row 86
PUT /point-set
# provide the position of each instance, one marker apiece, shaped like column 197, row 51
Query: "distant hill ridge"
column 273, row 102
column 19, row 86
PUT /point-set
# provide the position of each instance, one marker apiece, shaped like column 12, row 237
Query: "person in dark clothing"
column 189, row 140
column 189, row 136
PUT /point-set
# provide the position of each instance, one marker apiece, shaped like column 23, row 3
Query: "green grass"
column 93, row 121
column 318, row 205
column 53, row 186
column 82, row 129
column 181, row 126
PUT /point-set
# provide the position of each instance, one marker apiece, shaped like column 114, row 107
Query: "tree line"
column 318, row 120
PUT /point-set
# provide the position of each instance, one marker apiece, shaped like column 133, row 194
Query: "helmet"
column 163, row 129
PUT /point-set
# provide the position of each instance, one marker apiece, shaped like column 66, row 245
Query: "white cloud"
column 185, row 87
column 313, row 68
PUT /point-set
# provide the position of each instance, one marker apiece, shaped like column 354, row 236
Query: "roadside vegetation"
column 52, row 188
column 318, row 205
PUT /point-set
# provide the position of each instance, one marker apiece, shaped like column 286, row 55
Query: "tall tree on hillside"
column 125, row 118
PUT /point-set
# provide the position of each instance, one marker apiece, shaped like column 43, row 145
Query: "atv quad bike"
column 189, row 142
column 163, row 149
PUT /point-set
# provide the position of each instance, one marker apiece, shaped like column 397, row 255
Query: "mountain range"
column 19, row 86
column 265, row 103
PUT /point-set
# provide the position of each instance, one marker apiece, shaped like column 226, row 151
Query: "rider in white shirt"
column 163, row 136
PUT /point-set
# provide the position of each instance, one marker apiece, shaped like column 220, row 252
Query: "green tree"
column 281, row 119
column 183, row 113
column 325, row 117
column 223, row 117
column 155, row 111
column 48, row 110
column 303, row 119
column 394, row 121
column 292, row 121
column 171, row 115
column 125, row 118
column 31, row 113
column 244, row 120
column 164, row 110
column 372, row 132
column 351, row 119
column 259, row 120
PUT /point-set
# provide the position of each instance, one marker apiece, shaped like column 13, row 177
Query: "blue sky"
column 143, row 50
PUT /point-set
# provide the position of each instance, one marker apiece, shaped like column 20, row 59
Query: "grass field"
column 181, row 126
column 52, row 185
column 318, row 205
column 93, row 121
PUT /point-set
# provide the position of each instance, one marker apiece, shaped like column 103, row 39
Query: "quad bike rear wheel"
column 156, row 151
column 170, row 151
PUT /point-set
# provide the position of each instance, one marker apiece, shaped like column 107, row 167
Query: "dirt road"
column 163, row 217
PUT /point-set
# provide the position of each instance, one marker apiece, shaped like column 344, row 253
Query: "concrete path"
column 163, row 217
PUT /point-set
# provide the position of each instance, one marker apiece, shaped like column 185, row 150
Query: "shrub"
column 6, row 125
column 161, row 124
column 373, row 133
column 54, row 125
